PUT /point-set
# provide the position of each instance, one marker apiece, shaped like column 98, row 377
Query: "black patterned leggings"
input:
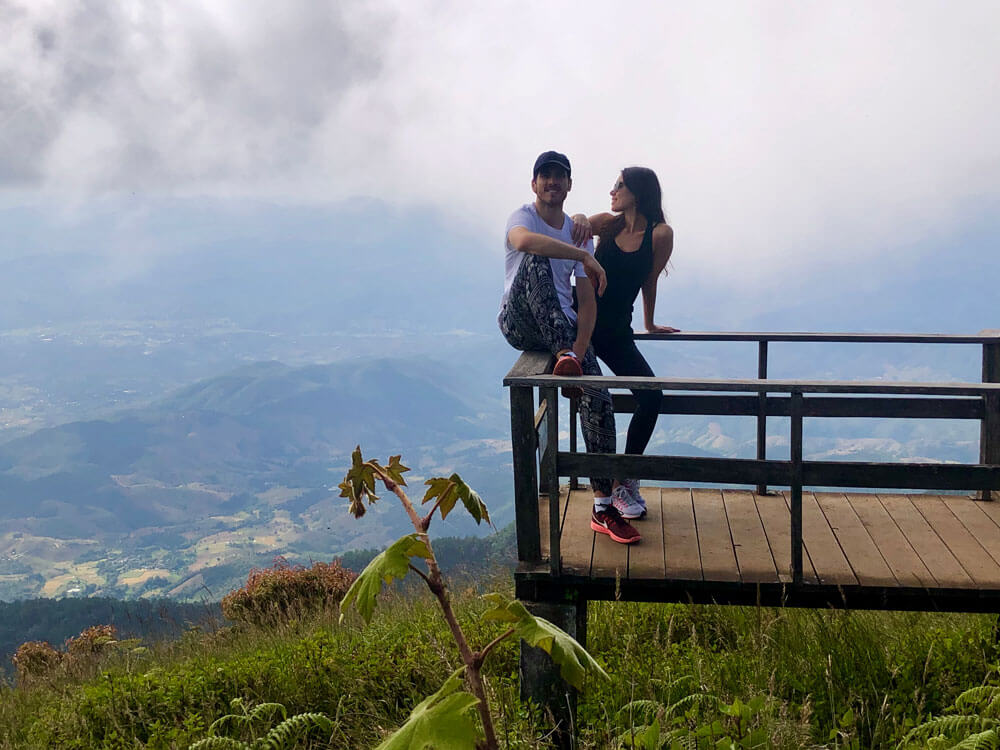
column 533, row 320
column 618, row 351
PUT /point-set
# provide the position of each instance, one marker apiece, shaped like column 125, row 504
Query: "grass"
column 817, row 678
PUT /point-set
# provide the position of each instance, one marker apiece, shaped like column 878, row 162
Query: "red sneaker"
column 569, row 366
column 609, row 521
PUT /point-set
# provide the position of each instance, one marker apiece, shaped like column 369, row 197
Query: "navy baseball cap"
column 551, row 157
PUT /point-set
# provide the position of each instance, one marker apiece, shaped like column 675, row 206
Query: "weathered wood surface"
column 531, row 363
column 757, row 385
column 984, row 337
column 728, row 536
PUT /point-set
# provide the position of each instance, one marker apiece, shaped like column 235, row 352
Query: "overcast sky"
column 782, row 131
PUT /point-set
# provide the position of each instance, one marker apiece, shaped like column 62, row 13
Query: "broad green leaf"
column 390, row 564
column 441, row 488
column 451, row 490
column 847, row 720
column 573, row 659
column 442, row 722
column 650, row 739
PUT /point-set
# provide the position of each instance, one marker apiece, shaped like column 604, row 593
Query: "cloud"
column 172, row 96
column 789, row 137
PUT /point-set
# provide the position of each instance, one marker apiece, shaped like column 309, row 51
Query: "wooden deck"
column 891, row 551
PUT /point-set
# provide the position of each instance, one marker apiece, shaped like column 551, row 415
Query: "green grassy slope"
column 802, row 678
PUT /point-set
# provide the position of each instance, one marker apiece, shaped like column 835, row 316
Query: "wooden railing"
column 534, row 432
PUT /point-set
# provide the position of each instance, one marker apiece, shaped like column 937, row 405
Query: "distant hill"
column 193, row 489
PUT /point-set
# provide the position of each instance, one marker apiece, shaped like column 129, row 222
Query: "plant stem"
column 437, row 586
column 489, row 647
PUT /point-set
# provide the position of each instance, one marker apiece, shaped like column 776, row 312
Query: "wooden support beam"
column 795, row 480
column 882, row 407
column 547, row 472
column 522, row 434
column 539, row 675
column 753, row 385
column 745, row 471
column 574, row 412
column 761, row 410
column 989, row 430
column 796, row 336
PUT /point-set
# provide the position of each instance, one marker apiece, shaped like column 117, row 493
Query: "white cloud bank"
column 787, row 135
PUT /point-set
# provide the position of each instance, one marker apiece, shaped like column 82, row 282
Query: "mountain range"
column 232, row 471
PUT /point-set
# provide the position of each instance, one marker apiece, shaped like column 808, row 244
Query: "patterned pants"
column 533, row 320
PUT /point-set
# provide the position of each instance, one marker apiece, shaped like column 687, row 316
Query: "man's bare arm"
column 586, row 317
column 525, row 241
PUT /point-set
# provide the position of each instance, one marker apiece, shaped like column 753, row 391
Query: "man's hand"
column 662, row 329
column 582, row 230
column 595, row 272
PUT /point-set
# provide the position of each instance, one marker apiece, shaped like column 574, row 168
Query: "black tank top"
column 626, row 274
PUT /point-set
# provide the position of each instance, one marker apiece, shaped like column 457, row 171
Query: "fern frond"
column 988, row 740
column 287, row 732
column 268, row 711
column 219, row 743
column 644, row 708
column 976, row 697
column 950, row 725
column 695, row 699
column 219, row 724
column 683, row 678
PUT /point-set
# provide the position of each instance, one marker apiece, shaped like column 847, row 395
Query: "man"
column 536, row 312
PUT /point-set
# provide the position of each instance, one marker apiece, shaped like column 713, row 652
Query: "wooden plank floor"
column 738, row 537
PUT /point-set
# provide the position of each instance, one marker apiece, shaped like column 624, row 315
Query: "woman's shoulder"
column 663, row 238
column 662, row 230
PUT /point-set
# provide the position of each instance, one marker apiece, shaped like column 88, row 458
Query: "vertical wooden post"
column 762, row 410
column 574, row 411
column 796, row 486
column 540, row 680
column 522, row 435
column 547, row 470
column 989, row 427
column 541, row 437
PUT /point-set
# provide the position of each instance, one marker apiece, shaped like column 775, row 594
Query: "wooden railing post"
column 541, row 437
column 548, row 472
column 762, row 410
column 523, row 444
column 796, row 486
column 989, row 428
column 574, row 411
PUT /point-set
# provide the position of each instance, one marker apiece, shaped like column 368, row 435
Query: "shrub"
column 92, row 642
column 35, row 660
column 286, row 592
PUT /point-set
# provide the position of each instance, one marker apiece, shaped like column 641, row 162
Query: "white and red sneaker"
column 609, row 521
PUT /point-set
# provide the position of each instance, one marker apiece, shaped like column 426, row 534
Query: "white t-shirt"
column 562, row 269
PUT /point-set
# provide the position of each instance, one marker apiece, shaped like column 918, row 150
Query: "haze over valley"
column 171, row 419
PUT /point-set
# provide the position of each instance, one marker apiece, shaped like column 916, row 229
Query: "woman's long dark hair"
column 644, row 185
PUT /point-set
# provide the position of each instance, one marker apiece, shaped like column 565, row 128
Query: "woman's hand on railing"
column 661, row 329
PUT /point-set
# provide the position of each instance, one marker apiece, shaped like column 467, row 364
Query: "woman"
column 634, row 245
